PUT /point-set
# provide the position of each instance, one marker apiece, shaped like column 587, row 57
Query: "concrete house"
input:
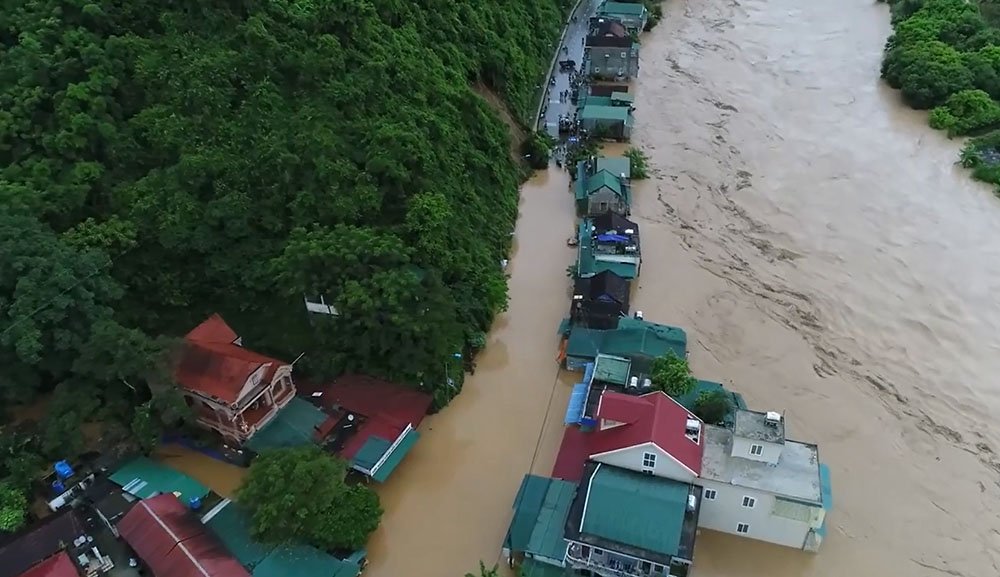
column 605, row 117
column 633, row 15
column 608, row 242
column 599, row 301
column 603, row 184
column 232, row 390
column 610, row 52
column 759, row 484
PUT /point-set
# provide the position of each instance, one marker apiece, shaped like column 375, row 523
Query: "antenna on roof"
column 298, row 358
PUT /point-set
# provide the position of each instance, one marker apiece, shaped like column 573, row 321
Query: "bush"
column 713, row 406
column 966, row 112
column 537, row 149
column 672, row 375
column 639, row 163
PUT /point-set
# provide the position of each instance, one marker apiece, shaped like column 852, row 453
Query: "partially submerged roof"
column 651, row 418
column 214, row 364
column 232, row 526
column 622, row 8
column 612, row 221
column 40, row 541
column 608, row 113
column 145, row 478
column 540, row 510
column 59, row 565
column 643, row 512
column 633, row 339
column 172, row 542
column 295, row 425
column 796, row 475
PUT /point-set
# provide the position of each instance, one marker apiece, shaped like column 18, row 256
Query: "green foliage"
column 485, row 571
column 639, row 163
column 537, row 149
column 300, row 495
column 159, row 162
column 672, row 375
column 13, row 508
column 966, row 112
column 713, row 406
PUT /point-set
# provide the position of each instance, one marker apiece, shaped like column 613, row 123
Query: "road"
column 573, row 41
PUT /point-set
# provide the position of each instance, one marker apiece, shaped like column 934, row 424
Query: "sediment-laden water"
column 827, row 259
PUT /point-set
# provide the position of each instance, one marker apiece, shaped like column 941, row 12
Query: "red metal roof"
column 59, row 565
column 651, row 418
column 173, row 543
column 387, row 407
column 213, row 365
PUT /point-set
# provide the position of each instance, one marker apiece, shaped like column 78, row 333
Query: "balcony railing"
column 611, row 564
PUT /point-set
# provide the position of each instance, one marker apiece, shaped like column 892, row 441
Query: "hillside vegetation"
column 163, row 161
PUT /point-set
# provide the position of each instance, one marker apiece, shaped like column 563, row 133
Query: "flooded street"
column 825, row 257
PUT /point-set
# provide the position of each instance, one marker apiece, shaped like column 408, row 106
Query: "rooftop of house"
column 639, row 515
column 605, row 285
column 214, row 363
column 611, row 369
column 540, row 510
column 297, row 423
column 615, row 224
column 622, row 8
column 796, row 475
column 607, row 32
column 755, row 426
column 231, row 525
column 623, row 97
column 634, row 339
column 690, row 400
column 34, row 544
column 602, row 112
column 170, row 540
column 391, row 413
column 58, row 565
column 145, row 478
column 615, row 165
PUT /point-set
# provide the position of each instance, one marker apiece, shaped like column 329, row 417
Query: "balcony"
column 610, row 564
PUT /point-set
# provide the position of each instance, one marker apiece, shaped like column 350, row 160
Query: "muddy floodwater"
column 826, row 258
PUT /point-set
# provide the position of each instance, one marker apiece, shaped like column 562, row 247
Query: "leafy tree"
column 672, row 375
column 300, row 494
column 639, row 163
column 966, row 112
column 13, row 508
column 485, row 571
column 926, row 72
column 713, row 406
column 537, row 149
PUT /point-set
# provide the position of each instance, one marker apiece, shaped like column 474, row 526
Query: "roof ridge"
column 178, row 542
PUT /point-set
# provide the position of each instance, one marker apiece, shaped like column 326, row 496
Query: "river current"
column 827, row 259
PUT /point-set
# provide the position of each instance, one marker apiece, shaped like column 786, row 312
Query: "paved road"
column 573, row 41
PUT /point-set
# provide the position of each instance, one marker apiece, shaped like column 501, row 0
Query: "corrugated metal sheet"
column 293, row 426
column 547, row 535
column 396, row 456
column 145, row 478
column 59, row 565
column 577, row 400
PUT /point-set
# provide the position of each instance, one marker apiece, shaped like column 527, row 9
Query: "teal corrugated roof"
column 622, row 9
column 689, row 400
column 626, row 270
column 615, row 165
column 633, row 338
column 547, row 534
column 599, row 112
column 527, row 505
column 639, row 510
column 396, row 457
column 593, row 100
column 144, row 478
column 603, row 179
column 371, row 451
column 622, row 97
column 231, row 524
column 293, row 426
column 532, row 568
column 612, row 369
column 825, row 487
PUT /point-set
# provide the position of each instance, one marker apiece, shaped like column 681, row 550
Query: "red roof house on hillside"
column 233, row 391
column 59, row 565
column 172, row 542
column 386, row 416
column 651, row 433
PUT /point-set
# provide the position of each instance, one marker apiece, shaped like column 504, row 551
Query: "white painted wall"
column 632, row 457
column 727, row 510
column 741, row 448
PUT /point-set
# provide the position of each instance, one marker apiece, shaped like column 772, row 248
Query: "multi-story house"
column 761, row 485
column 603, row 184
column 599, row 301
column 232, row 390
column 611, row 52
column 608, row 242
column 633, row 15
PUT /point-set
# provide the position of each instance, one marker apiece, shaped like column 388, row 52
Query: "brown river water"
column 826, row 258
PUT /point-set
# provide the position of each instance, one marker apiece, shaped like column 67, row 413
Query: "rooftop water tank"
column 58, row 487
column 194, row 503
column 63, row 470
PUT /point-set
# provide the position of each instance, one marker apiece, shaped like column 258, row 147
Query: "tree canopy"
column 713, row 406
column 672, row 375
column 300, row 495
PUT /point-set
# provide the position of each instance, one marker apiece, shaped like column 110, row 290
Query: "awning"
column 577, row 402
column 378, row 458
column 395, row 456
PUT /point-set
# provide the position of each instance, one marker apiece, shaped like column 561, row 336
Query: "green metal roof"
column 532, row 568
column 633, row 338
column 599, row 112
column 621, row 8
column 615, row 165
column 622, row 97
column 231, row 524
column 293, row 426
column 626, row 270
column 145, row 478
column 370, row 452
column 587, row 264
column 540, row 510
column 602, row 179
column 612, row 369
column 638, row 510
column 593, row 100
column 409, row 439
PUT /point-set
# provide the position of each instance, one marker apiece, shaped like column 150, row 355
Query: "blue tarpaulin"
column 611, row 238
column 577, row 400
column 588, row 373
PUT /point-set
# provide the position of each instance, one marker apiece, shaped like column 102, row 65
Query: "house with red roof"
column 232, row 390
column 649, row 433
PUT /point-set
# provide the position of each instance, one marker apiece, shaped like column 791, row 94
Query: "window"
column 743, row 528
column 644, row 567
column 648, row 460
column 710, row 494
column 598, row 551
column 657, row 568
column 756, row 450
column 749, row 502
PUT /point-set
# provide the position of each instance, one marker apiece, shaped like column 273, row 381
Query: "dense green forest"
column 944, row 55
column 166, row 160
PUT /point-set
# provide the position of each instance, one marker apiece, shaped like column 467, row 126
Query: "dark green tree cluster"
column 300, row 495
column 672, row 375
column 944, row 53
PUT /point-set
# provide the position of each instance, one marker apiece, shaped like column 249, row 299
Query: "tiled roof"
column 213, row 365
column 59, row 565
column 172, row 542
column 650, row 418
